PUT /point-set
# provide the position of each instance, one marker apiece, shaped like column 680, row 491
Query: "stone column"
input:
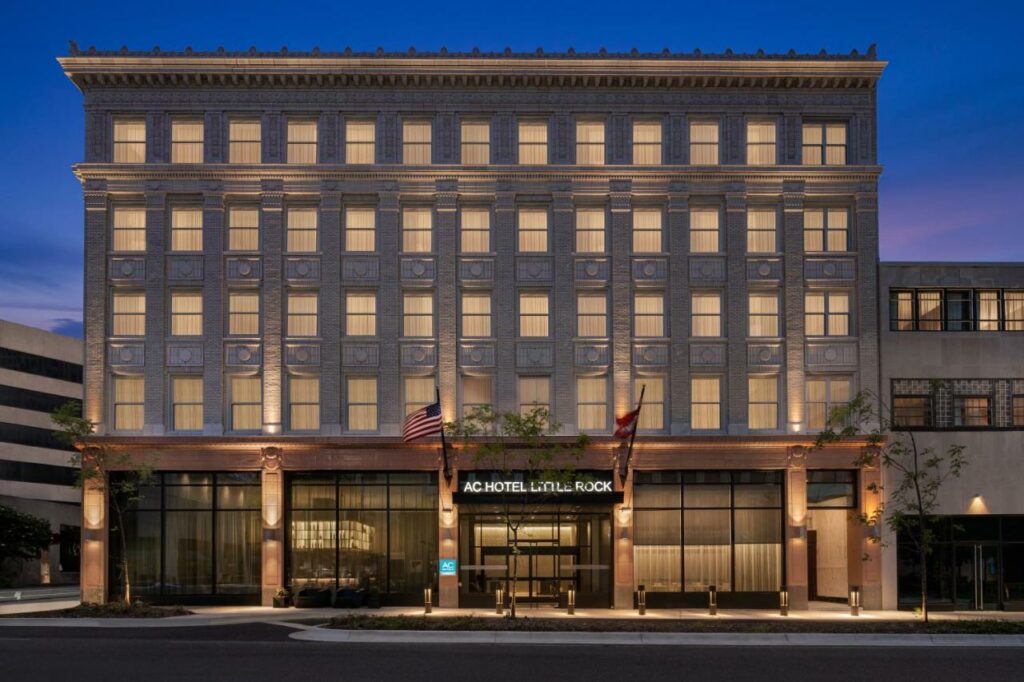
column 156, row 312
column 448, row 540
column 677, row 238
column 214, row 302
column 561, row 239
column 796, row 528
column 95, row 543
column 271, row 222
column 273, row 525
column 331, row 384
column 734, row 308
column 622, row 546
column 621, row 306
column 97, row 298
column 793, row 305
column 445, row 293
column 864, row 553
column 389, row 316
column 503, row 316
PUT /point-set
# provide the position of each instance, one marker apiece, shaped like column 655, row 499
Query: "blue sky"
column 951, row 103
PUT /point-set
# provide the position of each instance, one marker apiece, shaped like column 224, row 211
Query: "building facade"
column 286, row 253
column 39, row 372
column 952, row 359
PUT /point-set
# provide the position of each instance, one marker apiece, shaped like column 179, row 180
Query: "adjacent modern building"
column 953, row 373
column 286, row 252
column 39, row 372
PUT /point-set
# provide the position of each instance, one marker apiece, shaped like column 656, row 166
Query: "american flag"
column 425, row 421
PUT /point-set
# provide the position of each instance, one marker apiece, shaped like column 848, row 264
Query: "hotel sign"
column 513, row 487
column 493, row 487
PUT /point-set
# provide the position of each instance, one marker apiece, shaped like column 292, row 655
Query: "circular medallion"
column 829, row 269
column 476, row 355
column 591, row 269
column 302, row 269
column 533, row 270
column 361, row 357
column 707, row 269
column 831, row 354
column 359, row 269
column 649, row 270
column 707, row 355
column 649, row 354
column 302, row 355
column 185, row 269
column 125, row 355
column 592, row 355
column 476, row 269
column 244, row 269
column 418, row 269
column 185, row 355
column 419, row 355
column 244, row 354
column 533, row 355
column 765, row 355
column 127, row 268
column 764, row 269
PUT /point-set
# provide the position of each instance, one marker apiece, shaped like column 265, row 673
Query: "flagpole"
column 444, row 444
column 632, row 436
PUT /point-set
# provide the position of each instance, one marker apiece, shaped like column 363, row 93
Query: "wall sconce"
column 271, row 534
column 854, row 600
column 447, row 515
column 796, row 427
column 872, row 532
column 94, row 510
column 624, row 514
column 641, row 600
column 272, row 429
column 271, row 503
column 799, row 532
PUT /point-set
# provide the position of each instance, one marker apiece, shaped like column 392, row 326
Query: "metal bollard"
column 571, row 601
column 784, row 601
column 712, row 600
column 428, row 606
column 499, row 600
column 641, row 600
column 854, row 600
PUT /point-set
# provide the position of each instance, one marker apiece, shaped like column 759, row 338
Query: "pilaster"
column 389, row 305
column 793, row 305
column 447, row 540
column 156, row 312
column 95, row 304
column 621, row 297
column 561, row 238
column 95, row 543
column 272, row 518
column 796, row 528
column 332, row 385
column 446, row 305
column 503, row 313
column 271, row 225
column 677, row 233
column 734, row 323
column 213, row 312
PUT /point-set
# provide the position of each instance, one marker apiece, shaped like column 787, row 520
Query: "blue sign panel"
column 448, row 566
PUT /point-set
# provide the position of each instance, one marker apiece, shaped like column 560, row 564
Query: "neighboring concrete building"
column 40, row 371
column 953, row 370
column 285, row 252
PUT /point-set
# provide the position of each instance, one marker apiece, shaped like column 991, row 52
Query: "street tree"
column 22, row 536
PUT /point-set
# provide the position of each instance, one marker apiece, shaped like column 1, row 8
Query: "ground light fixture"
column 571, row 602
column 854, row 600
column 428, row 605
column 784, row 601
column 641, row 600
column 712, row 600
column 499, row 600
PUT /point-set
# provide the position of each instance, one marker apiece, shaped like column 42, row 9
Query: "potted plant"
column 283, row 598
column 372, row 598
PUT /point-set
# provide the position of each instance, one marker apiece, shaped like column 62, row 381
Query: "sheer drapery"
column 706, row 314
column 704, row 230
column 647, row 230
column 533, row 314
column 707, row 550
column 533, row 142
column 362, row 403
column 476, row 315
column 657, row 550
column 186, row 313
column 760, row 143
column 475, row 230
column 590, row 230
column 591, row 403
column 534, row 392
column 187, row 412
column 129, row 403
column 763, row 402
column 417, row 230
column 238, row 549
column 533, row 230
column 417, row 315
column 304, row 403
column 302, row 230
column 360, row 313
column 246, row 403
column 416, row 142
column 302, row 314
column 988, row 311
column 758, row 550
column 761, row 230
column 825, row 395
column 838, row 314
column 302, row 141
column 476, row 392
column 186, row 229
column 476, row 142
column 705, row 403
column 704, row 143
column 652, row 415
column 764, row 314
column 129, row 313
column 188, row 551
column 649, row 315
column 591, row 315
column 590, row 143
column 243, row 313
column 360, row 229
column 647, row 143
column 129, row 141
column 129, row 229
column 186, row 141
column 1013, row 310
column 360, row 141
column 243, row 229
column 826, row 229
column 244, row 141
column 419, row 392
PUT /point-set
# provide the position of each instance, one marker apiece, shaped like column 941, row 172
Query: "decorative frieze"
column 418, row 269
column 306, row 269
column 184, row 355
column 302, row 354
column 476, row 269
column 533, row 269
column 243, row 354
column 764, row 355
column 534, row 355
column 592, row 270
column 419, row 355
column 360, row 355
column 821, row 354
column 592, row 355
column 127, row 269
column 650, row 355
column 184, row 268
column 764, row 270
column 707, row 355
column 831, row 269
column 476, row 355
column 360, row 268
column 650, row 269
column 707, row 269
column 244, row 269
column 127, row 355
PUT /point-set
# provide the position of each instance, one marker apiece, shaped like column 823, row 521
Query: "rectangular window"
column 1013, row 311
column 302, row 141
column 534, row 393
column 824, row 396
column 360, row 229
column 706, row 314
column 129, row 403
column 129, row 141
column 824, row 144
column 360, row 141
column 186, row 313
column 831, row 489
column 912, row 411
column 533, row 143
column 476, row 315
column 362, row 403
column 246, row 403
column 129, row 313
column 360, row 313
column 929, row 311
column 704, row 230
column 187, row 403
column 416, row 142
column 704, row 143
column 244, row 313
column 303, row 403
column 302, row 230
column 988, row 311
column 1018, row 410
column 591, row 315
column 302, row 313
column 533, row 230
column 243, row 229
column 647, row 230
column 705, row 404
column 761, row 230
column 826, row 229
column 475, row 230
column 590, row 230
column 646, row 143
column 648, row 315
column 652, row 414
column 901, row 311
column 589, row 143
column 129, row 229
column 763, row 402
column 419, row 392
column 417, row 230
column 533, row 314
column 761, row 143
column 959, row 311
column 763, row 314
column 972, row 411
column 186, row 141
column 418, row 315
column 591, row 403
column 476, row 143
column 244, row 141
column 476, row 393
column 827, row 313
column 186, row 229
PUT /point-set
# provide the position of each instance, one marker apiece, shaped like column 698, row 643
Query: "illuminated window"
column 824, row 144
column 901, row 311
column 647, row 230
column 533, row 314
column 972, row 411
column 533, row 230
column 761, row 230
column 827, row 313
column 760, row 143
column 648, row 315
column 911, row 411
column 1013, row 310
column 420, row 391
column 706, row 314
column 244, row 141
column 186, row 140
column 824, row 396
column 243, row 313
column 475, row 230
column 302, row 230
column 590, row 143
column 416, row 142
column 129, row 229
column 362, row 403
column 129, row 141
column 826, row 229
column 534, row 393
column 988, row 311
column 705, row 403
column 590, row 230
column 129, row 403
column 186, row 229
column 763, row 314
column 243, row 229
column 360, row 141
column 302, row 141
column 476, row 393
column 186, row 313
column 246, row 403
column 929, row 311
column 704, row 230
column 533, row 142
column 302, row 313
column 360, row 313
column 591, row 315
column 476, row 315
column 646, row 143
column 129, row 313
column 652, row 414
column 303, row 403
column 763, row 402
column 187, row 403
column 704, row 143
column 417, row 230
column 418, row 315
column 591, row 403
column 360, row 229
column 476, row 143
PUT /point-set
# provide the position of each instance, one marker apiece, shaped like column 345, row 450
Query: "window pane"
column 187, row 408
column 244, row 141
column 533, row 142
column 417, row 230
column 476, row 142
column 129, row 232
column 591, row 403
column 243, row 313
column 302, row 141
column 706, row 314
column 418, row 317
column 590, row 143
column 302, row 230
column 590, row 230
column 360, row 229
column 243, row 229
column 475, row 230
column 647, row 230
column 704, row 230
column 761, row 230
column 647, row 143
column 186, row 229
column 416, row 142
column 246, row 404
column 704, row 143
column 705, row 403
column 533, row 230
column 362, row 403
column 129, row 314
column 186, row 314
column 533, row 314
column 534, row 392
column 304, row 398
column 360, row 141
column 186, row 141
column 361, row 314
column 476, row 315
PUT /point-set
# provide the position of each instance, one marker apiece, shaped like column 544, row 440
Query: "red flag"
column 627, row 424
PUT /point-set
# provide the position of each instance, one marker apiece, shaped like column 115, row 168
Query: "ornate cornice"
column 93, row 68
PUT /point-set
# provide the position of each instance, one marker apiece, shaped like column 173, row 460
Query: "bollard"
column 854, row 600
column 427, row 605
column 641, row 600
column 712, row 600
column 499, row 599
column 571, row 601
column 784, row 601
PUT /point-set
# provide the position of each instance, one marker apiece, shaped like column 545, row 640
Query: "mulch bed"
column 112, row 610
column 528, row 624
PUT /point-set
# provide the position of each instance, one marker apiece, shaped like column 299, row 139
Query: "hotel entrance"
column 553, row 550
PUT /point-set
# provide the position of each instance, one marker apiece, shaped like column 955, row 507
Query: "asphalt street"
column 264, row 652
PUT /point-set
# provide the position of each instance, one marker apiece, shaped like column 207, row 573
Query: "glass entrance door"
column 977, row 577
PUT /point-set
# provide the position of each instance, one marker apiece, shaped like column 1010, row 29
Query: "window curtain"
column 704, row 230
column 304, row 396
column 360, row 229
column 534, row 392
column 764, row 314
column 244, row 142
column 416, row 230
column 302, row 141
column 590, row 230
column 476, row 392
column 835, row 143
column 706, row 311
column 592, row 403
column 129, row 229
column 302, row 314
column 591, row 315
column 302, row 228
column 533, row 142
column 533, row 314
column 244, row 229
column 707, row 550
column 705, row 398
column 476, row 315
column 416, row 142
column 647, row 230
column 652, row 416
column 186, row 229
column 1013, row 310
column 649, row 312
column 244, row 314
column 129, row 402
column 704, row 143
column 129, row 141
column 475, row 231
column 764, row 402
column 188, row 403
column 761, row 230
column 476, row 142
column 239, row 538
column 362, row 403
column 419, row 392
column 590, row 143
column 533, row 230
column 418, row 319
column 814, row 314
column 838, row 229
column 360, row 141
column 758, row 549
column 129, row 314
column 361, row 314
column 186, row 141
column 647, row 143
column 657, row 549
column 186, row 314
column 838, row 314
column 246, row 404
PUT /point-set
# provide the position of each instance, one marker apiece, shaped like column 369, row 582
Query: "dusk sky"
column 950, row 107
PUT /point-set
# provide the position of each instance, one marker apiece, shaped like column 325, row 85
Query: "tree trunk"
column 924, row 582
column 515, row 573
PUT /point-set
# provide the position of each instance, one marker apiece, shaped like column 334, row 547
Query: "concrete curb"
column 169, row 622
column 654, row 638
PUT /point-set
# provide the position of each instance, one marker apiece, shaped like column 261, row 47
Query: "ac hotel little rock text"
column 286, row 252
